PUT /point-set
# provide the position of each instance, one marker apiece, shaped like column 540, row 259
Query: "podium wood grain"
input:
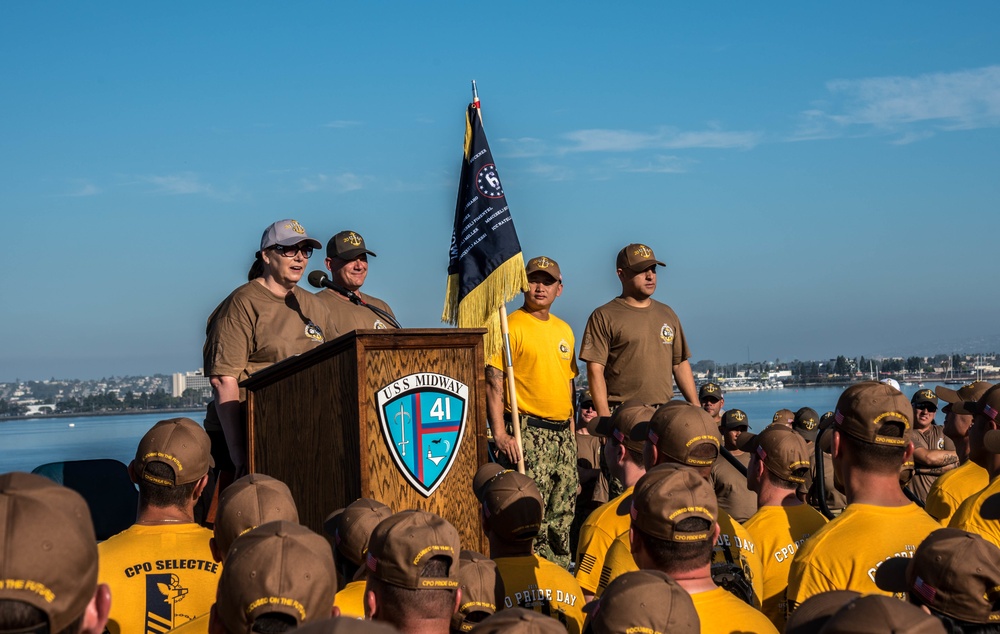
column 312, row 422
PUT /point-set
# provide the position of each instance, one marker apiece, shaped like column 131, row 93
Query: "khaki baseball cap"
column 643, row 601
column 512, row 503
column 783, row 417
column 864, row 407
column 783, row 452
column 988, row 406
column 806, row 423
column 678, row 427
column 812, row 613
column 286, row 233
column 402, row 544
column 48, row 549
column 481, row 586
column 953, row 572
column 247, row 503
column 519, row 621
column 351, row 527
column 710, row 390
column 346, row 245
column 924, row 396
column 734, row 419
column 278, row 567
column 957, row 398
column 346, row 625
column 628, row 425
column 636, row 257
column 545, row 265
column 878, row 614
column 179, row 443
column 665, row 496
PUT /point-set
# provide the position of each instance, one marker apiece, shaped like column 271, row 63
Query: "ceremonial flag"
column 485, row 267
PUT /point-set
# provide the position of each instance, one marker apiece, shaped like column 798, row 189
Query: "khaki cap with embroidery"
column 783, row 417
column 401, row 545
column 179, row 443
column 806, row 423
column 953, row 572
column 482, row 587
column 678, row 428
column 812, row 613
column 636, row 258
column 519, row 621
column 628, row 425
column 879, row 614
column 924, row 396
column 783, row 452
column 667, row 495
column 710, row 390
column 864, row 407
column 646, row 601
column 351, row 527
column 346, row 245
column 544, row 265
column 988, row 406
column 286, row 233
column 346, row 625
column 512, row 504
column 734, row 419
column 48, row 550
column 247, row 503
column 957, row 398
column 279, row 567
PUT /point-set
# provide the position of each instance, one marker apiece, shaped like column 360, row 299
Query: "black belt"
column 541, row 423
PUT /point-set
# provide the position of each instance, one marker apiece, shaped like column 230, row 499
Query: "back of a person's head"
column 482, row 591
column 346, row 625
column 873, row 420
column 351, row 528
column 48, row 558
column 276, row 577
column 878, row 614
column 684, row 434
column 412, row 561
column 170, row 461
column 519, row 621
column 247, row 503
column 512, row 506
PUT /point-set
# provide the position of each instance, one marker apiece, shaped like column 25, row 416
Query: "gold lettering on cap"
column 436, row 548
column 354, row 239
column 691, row 509
column 542, row 262
column 35, row 587
column 284, row 601
column 643, row 251
column 153, row 455
column 296, row 227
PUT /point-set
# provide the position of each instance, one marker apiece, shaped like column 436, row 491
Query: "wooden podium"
column 394, row 415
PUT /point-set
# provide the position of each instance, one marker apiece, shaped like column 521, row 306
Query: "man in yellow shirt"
column 542, row 352
column 625, row 433
column 980, row 513
column 161, row 570
column 869, row 446
column 779, row 463
column 955, row 486
column 511, row 515
column 674, row 530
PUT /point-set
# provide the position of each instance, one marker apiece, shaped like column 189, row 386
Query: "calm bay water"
column 26, row 444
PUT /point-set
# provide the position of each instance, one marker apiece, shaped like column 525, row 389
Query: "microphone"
column 319, row 279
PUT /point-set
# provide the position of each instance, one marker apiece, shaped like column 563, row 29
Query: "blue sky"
column 819, row 179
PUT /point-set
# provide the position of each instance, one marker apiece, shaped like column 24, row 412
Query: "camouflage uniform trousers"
column 550, row 460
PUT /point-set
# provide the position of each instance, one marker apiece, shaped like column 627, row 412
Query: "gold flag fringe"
column 480, row 307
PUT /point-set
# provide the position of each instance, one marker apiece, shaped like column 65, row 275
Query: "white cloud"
column 523, row 147
column 186, row 184
column 344, row 182
column 84, row 188
column 342, row 123
column 605, row 140
column 910, row 107
column 660, row 164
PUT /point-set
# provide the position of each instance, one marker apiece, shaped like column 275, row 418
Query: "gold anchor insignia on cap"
column 354, row 239
column 710, row 387
column 926, row 393
column 296, row 227
column 809, row 424
column 543, row 263
column 643, row 251
column 740, row 416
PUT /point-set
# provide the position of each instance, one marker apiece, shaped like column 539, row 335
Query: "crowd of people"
column 622, row 509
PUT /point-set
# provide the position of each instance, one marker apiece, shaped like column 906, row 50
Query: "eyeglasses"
column 293, row 250
column 926, row 408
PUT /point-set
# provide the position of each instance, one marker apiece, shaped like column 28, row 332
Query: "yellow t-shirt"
column 722, row 613
column 596, row 535
column 351, row 600
column 969, row 516
column 160, row 576
column 778, row 531
column 844, row 554
column 544, row 360
column 953, row 488
column 746, row 554
column 197, row 625
column 537, row 584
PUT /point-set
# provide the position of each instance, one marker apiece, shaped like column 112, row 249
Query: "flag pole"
column 508, row 361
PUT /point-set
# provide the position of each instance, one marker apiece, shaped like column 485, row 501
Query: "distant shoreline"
column 127, row 412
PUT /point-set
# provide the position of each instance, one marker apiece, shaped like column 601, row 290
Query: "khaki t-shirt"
column 731, row 489
column 346, row 316
column 933, row 438
column 638, row 348
column 254, row 328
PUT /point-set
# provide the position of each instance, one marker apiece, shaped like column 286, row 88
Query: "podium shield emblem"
column 423, row 419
